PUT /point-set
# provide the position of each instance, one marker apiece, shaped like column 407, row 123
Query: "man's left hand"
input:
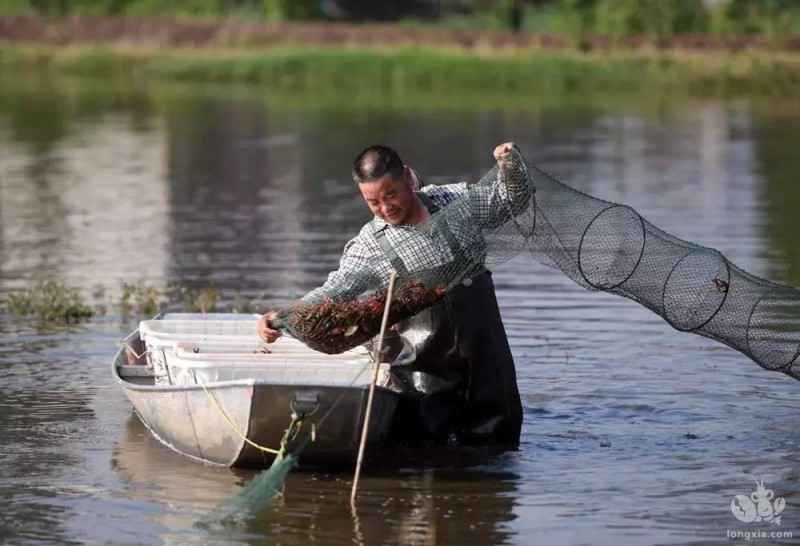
column 502, row 153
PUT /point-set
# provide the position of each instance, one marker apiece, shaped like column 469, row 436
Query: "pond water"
column 634, row 433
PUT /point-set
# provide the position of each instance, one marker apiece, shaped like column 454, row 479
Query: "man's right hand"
column 265, row 330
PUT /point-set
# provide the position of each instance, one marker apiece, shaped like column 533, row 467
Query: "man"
column 461, row 340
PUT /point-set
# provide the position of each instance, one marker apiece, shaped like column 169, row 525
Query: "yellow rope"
column 234, row 427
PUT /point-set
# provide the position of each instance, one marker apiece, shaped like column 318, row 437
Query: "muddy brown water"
column 633, row 434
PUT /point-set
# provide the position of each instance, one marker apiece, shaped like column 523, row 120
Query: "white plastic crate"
column 210, row 316
column 286, row 364
column 167, row 332
column 160, row 336
column 185, row 348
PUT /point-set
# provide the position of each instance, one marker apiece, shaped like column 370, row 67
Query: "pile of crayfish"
column 334, row 327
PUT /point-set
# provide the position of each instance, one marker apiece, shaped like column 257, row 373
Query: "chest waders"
column 467, row 345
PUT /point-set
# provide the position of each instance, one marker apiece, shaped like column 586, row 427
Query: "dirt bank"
column 240, row 33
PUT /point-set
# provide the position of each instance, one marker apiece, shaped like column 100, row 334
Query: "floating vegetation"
column 49, row 301
column 206, row 301
column 140, row 299
column 203, row 300
column 53, row 301
column 242, row 304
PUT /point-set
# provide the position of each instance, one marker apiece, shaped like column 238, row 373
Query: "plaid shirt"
column 469, row 210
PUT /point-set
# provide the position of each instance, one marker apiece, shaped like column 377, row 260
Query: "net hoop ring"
column 609, row 287
column 782, row 368
column 697, row 251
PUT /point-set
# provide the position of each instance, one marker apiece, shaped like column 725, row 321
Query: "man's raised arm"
column 510, row 193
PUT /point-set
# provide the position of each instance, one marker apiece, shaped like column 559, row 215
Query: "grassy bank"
column 445, row 70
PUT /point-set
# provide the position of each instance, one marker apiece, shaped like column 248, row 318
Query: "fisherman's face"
column 391, row 200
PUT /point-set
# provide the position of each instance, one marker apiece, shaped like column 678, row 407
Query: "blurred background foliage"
column 616, row 19
column 663, row 19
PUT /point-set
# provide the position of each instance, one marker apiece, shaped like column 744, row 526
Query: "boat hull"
column 208, row 424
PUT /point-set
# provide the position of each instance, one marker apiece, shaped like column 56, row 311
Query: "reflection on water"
column 778, row 163
column 398, row 506
column 633, row 433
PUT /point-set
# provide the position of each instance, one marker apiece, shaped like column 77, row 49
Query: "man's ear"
column 411, row 178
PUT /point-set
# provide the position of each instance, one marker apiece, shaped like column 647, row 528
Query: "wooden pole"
column 377, row 359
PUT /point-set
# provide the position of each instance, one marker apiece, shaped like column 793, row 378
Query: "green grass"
column 429, row 70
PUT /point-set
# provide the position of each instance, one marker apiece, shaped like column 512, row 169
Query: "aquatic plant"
column 242, row 305
column 49, row 301
column 206, row 300
column 192, row 300
column 140, row 298
column 54, row 301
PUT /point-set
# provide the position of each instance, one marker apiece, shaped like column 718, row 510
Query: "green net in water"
column 258, row 493
column 268, row 484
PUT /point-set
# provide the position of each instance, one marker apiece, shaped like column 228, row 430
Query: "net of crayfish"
column 599, row 244
column 476, row 225
column 334, row 327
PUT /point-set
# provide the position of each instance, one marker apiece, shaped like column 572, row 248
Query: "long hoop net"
column 598, row 244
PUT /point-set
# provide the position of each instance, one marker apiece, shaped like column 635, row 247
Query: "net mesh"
column 598, row 244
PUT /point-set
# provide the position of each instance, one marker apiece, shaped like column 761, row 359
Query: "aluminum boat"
column 207, row 387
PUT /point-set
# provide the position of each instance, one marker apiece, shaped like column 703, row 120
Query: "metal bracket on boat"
column 131, row 354
column 305, row 403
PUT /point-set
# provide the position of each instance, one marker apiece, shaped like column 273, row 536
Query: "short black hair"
column 375, row 162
